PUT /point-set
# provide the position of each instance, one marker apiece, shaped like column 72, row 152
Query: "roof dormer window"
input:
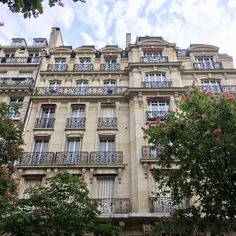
column 39, row 42
column 18, row 42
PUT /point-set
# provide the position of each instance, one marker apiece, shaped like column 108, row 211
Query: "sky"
column 102, row 22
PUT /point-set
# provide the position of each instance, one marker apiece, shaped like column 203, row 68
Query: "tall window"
column 108, row 112
column 153, row 56
column 110, row 64
column 211, row 85
column 82, row 87
column 31, row 182
column 47, row 117
column 204, row 63
column 60, row 64
column 78, row 112
column 109, row 86
column 41, row 146
column 54, row 87
column 15, row 110
column 157, row 109
column 155, row 80
column 40, row 151
column 107, row 144
column 48, row 112
column 73, row 145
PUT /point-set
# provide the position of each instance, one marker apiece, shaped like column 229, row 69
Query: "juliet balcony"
column 44, row 123
column 113, row 205
column 107, row 122
column 157, row 84
column 159, row 59
column 77, row 91
column 57, row 67
column 156, row 115
column 20, row 60
column 83, row 67
column 110, row 67
column 16, row 82
column 164, row 205
column 75, row 123
column 207, row 65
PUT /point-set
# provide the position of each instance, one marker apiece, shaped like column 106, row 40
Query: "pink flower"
column 5, row 168
column 217, row 140
column 158, row 122
column 217, row 131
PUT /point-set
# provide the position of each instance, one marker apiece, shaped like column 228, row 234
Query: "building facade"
column 83, row 110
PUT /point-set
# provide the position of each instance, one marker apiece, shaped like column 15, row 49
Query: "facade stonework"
column 83, row 110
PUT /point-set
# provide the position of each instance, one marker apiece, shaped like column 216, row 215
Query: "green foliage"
column 201, row 140
column 10, row 151
column 62, row 207
column 31, row 8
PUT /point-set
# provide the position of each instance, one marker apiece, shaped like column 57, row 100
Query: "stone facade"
column 83, row 110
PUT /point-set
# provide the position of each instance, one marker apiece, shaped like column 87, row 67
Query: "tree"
column 200, row 139
column 62, row 207
column 10, row 151
column 31, row 8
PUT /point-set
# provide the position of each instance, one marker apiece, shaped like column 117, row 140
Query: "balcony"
column 71, row 158
column 107, row 122
column 113, row 205
column 20, row 59
column 151, row 152
column 104, row 158
column 207, row 65
column 57, row 67
column 14, row 114
column 44, row 123
column 16, row 82
column 83, row 67
column 159, row 59
column 75, row 123
column 110, row 67
column 163, row 205
column 156, row 115
column 157, row 84
column 219, row 88
column 37, row 158
column 75, row 91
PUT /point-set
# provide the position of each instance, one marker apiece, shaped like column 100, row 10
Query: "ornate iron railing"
column 207, row 65
column 163, row 205
column 113, row 205
column 45, row 123
column 110, row 67
column 151, row 152
column 75, row 91
column 154, row 59
column 57, row 67
column 109, row 157
column 37, row 158
column 219, row 88
column 107, row 122
column 17, row 81
column 83, row 67
column 20, row 59
column 156, row 115
column 157, row 84
column 75, row 122
column 71, row 158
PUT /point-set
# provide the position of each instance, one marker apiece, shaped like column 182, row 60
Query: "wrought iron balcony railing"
column 83, row 67
column 151, row 152
column 14, row 114
column 159, row 59
column 74, row 123
column 157, row 84
column 163, row 205
column 17, row 81
column 44, row 123
column 156, row 115
column 37, row 158
column 113, row 205
column 107, row 122
column 20, row 59
column 109, row 157
column 75, row 91
column 207, row 65
column 57, row 67
column 71, row 158
column 110, row 67
column 219, row 88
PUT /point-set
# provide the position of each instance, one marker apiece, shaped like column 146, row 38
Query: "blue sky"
column 101, row 22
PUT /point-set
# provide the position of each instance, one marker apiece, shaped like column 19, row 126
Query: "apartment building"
column 83, row 110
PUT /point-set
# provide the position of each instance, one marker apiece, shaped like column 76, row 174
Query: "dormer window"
column 153, row 55
column 110, row 64
column 18, row 42
column 206, row 63
column 39, row 42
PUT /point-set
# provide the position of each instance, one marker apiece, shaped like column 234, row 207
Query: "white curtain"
column 105, row 187
column 108, row 112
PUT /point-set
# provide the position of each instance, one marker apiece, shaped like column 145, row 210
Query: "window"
column 78, row 112
column 107, row 144
column 9, row 57
column 34, row 54
column 48, row 112
column 153, row 56
column 204, row 63
column 211, row 85
column 105, row 193
column 26, row 74
column 47, row 118
column 54, row 87
column 108, row 112
column 72, row 154
column 108, row 118
column 85, row 60
column 15, row 110
column 39, row 42
column 109, row 86
column 34, row 57
column 157, row 109
column 77, row 117
column 73, row 145
column 18, row 42
column 155, row 80
column 40, row 151
column 31, row 182
column 60, row 60
column 59, row 65
column 82, row 87
column 110, row 64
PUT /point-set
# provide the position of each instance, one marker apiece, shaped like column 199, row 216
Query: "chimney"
column 55, row 39
column 128, row 39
